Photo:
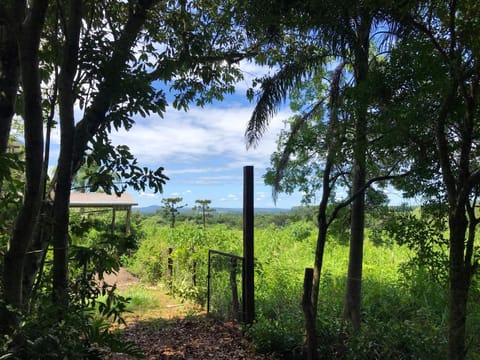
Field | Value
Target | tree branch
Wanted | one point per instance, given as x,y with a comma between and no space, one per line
360,191
95,115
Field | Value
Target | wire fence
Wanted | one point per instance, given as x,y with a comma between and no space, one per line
224,285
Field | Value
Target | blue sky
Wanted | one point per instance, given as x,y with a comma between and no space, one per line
203,151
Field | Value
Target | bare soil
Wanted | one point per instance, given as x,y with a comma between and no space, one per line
122,279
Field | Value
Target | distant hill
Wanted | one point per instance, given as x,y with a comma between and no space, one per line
154,208
147,209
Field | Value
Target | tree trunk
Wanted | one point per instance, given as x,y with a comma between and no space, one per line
9,72
29,33
94,117
459,284
353,294
318,262
64,169
308,312
334,140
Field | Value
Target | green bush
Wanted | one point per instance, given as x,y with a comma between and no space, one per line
281,335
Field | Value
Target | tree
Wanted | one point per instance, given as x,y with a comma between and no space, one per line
26,30
310,35
204,209
171,207
437,92
103,60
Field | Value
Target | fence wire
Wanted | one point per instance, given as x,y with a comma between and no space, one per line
224,288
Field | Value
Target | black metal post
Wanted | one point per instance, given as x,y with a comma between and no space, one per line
248,241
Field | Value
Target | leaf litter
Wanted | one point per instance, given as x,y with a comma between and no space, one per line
176,335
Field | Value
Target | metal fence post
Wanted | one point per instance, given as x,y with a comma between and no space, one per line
248,241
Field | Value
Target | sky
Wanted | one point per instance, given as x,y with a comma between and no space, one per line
204,151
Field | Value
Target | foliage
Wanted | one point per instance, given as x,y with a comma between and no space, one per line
424,234
11,188
85,330
112,62
81,335
171,207
405,313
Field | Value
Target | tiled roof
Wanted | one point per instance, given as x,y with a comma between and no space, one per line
101,200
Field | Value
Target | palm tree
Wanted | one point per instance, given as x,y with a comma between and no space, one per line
323,32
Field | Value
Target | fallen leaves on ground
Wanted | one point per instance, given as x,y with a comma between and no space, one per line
195,338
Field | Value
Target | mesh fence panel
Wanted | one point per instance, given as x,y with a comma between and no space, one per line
225,285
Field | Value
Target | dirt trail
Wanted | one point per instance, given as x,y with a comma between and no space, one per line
172,336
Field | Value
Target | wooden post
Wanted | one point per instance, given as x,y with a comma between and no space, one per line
112,226
128,221
248,253
233,284
194,273
310,341
170,269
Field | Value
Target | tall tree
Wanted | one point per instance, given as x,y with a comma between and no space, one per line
204,209
104,60
312,33
171,207
437,89
9,73
24,24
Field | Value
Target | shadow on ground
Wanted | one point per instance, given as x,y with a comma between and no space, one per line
191,338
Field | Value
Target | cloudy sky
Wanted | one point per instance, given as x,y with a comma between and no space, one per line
203,151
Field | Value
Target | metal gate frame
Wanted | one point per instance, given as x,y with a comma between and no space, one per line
233,256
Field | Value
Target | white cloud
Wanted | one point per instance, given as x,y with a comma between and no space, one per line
230,197
188,138
148,195
250,72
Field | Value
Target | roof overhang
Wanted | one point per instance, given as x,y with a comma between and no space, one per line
101,200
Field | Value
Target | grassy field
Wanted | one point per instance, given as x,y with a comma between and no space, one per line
404,309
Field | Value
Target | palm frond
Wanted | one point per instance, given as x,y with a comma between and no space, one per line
274,90
288,149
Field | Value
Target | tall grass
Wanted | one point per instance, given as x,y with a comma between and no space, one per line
404,313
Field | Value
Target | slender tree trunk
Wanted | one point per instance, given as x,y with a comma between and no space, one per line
334,141
352,306
64,169
9,73
459,284
310,318
353,294
319,251
95,115
461,248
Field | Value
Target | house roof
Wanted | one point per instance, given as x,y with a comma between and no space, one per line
101,200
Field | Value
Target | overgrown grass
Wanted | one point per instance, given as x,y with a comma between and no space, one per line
404,312
153,303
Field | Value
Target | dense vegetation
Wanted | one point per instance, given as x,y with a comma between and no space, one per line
405,297
383,94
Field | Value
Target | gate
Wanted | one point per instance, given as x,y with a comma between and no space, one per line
224,285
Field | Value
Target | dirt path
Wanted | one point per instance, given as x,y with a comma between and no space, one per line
166,333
